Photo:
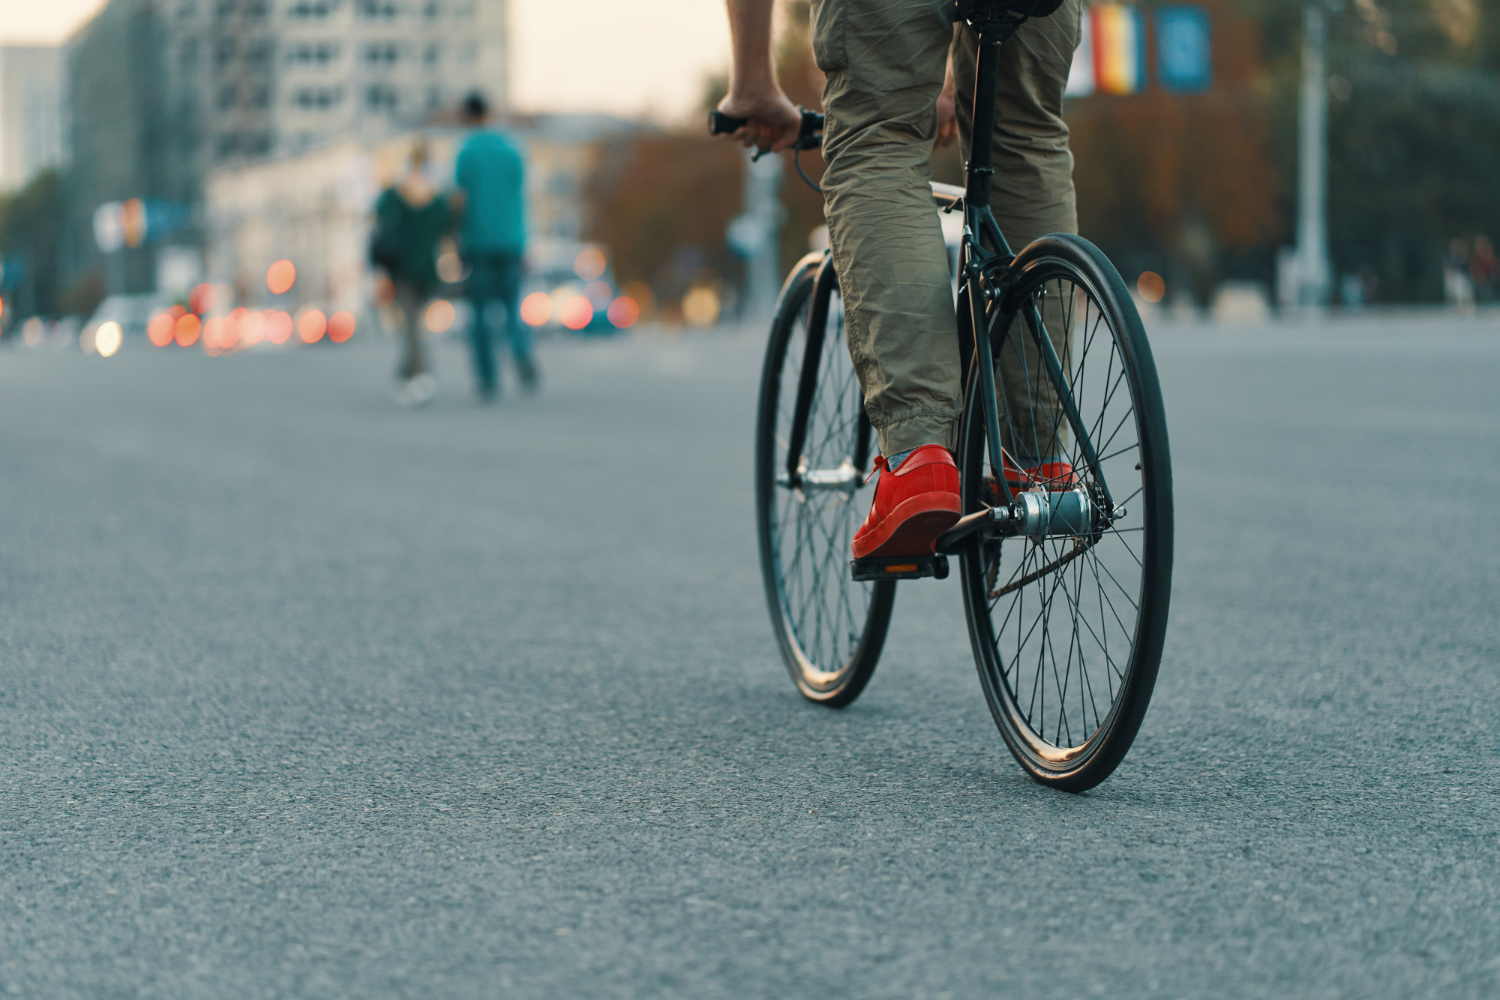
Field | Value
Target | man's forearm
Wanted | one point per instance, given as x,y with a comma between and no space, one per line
771,121
750,28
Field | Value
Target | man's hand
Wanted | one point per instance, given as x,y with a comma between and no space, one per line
773,121
753,93
947,114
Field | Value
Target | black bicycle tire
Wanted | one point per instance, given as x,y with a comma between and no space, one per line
1102,752
857,671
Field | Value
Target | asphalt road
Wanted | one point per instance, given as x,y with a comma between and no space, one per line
306,695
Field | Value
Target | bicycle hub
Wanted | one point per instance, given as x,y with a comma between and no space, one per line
1039,515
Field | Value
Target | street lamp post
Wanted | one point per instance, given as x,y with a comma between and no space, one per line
1314,279
755,236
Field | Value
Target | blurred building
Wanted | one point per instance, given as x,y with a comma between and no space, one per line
33,112
563,154
314,206
165,91
120,145
281,76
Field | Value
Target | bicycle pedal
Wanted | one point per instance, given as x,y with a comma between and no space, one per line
899,568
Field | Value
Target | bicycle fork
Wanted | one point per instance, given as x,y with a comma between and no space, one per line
851,470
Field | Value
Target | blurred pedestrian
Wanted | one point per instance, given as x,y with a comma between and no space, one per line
491,175
1458,287
1484,270
411,218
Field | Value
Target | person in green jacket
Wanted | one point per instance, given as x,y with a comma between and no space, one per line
411,220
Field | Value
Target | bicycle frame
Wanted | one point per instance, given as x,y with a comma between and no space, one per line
817,327
978,262
985,276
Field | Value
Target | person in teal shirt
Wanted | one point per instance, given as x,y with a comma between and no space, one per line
490,174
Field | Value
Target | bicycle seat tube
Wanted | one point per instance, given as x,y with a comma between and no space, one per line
993,28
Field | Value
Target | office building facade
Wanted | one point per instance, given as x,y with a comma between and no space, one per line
33,112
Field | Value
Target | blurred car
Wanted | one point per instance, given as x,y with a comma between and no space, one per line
570,285
132,312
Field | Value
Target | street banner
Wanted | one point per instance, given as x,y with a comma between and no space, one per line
1119,48
1184,49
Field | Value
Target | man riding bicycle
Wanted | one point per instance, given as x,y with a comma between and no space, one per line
899,75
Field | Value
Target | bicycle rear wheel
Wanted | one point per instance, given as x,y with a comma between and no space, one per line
830,628
1067,629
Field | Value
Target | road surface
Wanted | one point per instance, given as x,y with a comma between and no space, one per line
306,695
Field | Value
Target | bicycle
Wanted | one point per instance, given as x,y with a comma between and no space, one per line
1068,641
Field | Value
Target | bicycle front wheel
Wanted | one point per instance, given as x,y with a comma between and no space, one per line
830,628
1067,626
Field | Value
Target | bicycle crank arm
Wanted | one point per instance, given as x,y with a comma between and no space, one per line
1034,515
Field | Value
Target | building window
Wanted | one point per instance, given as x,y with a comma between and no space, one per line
321,54
225,8
260,97
433,53
377,10
382,53
258,143
255,9
381,98
258,54
307,9
432,10
224,51
227,95
227,145
318,98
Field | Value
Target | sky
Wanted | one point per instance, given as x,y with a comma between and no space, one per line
628,57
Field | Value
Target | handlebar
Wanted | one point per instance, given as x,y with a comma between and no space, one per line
809,136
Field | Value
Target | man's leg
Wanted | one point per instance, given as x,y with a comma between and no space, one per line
482,300
413,356
885,61
517,332
1032,195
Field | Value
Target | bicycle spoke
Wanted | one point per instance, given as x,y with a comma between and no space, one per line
1061,621
824,609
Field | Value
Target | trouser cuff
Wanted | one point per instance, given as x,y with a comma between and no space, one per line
917,430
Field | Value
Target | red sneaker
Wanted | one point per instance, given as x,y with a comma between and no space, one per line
1055,476
914,503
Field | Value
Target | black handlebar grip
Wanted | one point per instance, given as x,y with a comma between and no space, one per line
721,124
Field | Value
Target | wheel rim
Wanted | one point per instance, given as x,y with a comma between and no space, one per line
824,612
1058,619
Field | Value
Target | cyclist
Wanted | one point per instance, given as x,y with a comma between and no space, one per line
899,73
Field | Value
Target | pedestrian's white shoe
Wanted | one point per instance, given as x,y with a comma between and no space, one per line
424,387
417,390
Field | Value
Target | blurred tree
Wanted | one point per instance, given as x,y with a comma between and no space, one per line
83,295
1414,122
662,206
31,221
1198,186
803,83
1184,184
1414,129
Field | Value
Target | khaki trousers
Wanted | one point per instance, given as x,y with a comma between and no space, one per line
885,61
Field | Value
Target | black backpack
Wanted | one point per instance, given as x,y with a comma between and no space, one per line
385,239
